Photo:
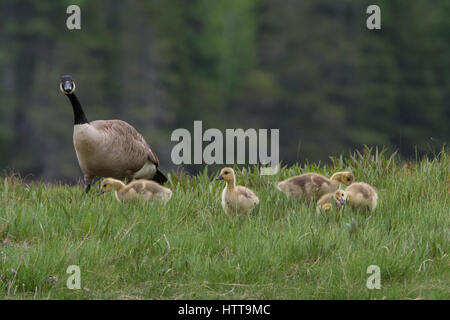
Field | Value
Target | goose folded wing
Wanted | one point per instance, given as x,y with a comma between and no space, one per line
152,156
127,138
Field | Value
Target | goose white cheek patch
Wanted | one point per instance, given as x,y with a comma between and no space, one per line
237,151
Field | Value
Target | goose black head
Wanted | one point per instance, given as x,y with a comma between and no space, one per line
67,85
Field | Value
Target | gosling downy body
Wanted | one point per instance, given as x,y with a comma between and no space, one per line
362,196
312,186
325,202
236,199
139,189
109,148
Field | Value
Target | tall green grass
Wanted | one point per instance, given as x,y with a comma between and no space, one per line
189,249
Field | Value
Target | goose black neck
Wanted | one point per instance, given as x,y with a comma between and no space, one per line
78,113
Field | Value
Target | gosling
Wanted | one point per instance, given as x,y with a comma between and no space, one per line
362,196
138,189
312,186
236,199
324,204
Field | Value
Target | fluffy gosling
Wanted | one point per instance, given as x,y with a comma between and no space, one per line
312,186
324,204
236,199
138,189
362,196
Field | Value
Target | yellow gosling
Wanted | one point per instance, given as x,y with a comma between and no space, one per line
236,199
362,196
339,196
138,189
312,186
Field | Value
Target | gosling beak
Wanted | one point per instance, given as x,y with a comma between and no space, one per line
342,201
219,177
100,192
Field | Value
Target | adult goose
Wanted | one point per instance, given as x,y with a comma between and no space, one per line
109,148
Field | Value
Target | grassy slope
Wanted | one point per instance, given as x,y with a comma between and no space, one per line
190,249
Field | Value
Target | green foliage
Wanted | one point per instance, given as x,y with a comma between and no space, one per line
189,249
309,68
404,100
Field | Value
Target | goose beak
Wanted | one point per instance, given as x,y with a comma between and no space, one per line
219,177
67,87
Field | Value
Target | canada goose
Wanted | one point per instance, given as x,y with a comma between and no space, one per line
237,199
144,189
311,186
339,197
362,196
109,148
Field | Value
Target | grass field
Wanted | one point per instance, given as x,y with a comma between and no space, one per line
189,249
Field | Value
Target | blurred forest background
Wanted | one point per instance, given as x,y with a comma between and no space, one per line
309,68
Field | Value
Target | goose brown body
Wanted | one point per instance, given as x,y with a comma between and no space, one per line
113,148
311,186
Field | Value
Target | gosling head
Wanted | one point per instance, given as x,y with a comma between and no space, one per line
110,184
345,177
340,196
67,85
226,174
